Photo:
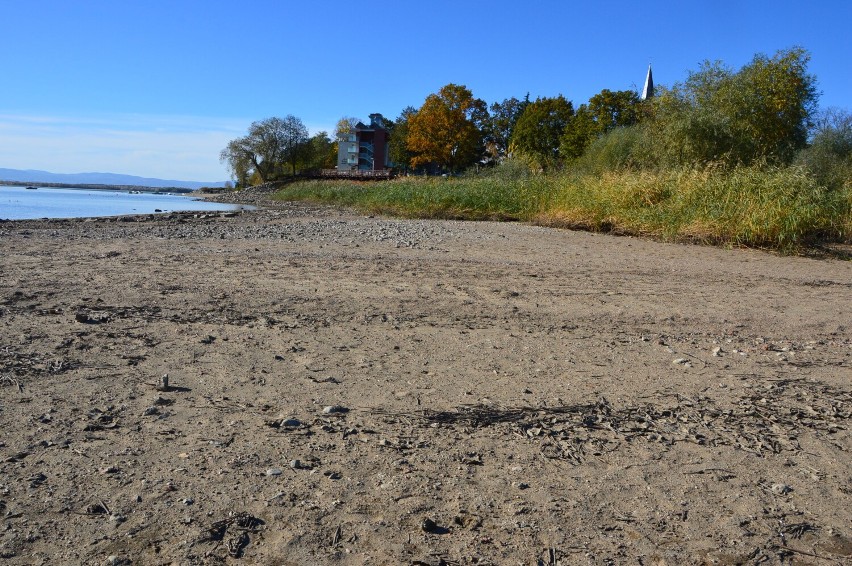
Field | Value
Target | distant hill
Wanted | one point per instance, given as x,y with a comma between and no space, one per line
35,177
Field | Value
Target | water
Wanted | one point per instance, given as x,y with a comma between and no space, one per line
19,203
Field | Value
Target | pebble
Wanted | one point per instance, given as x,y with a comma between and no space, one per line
781,488
188,501
291,423
334,409
273,472
296,464
429,525
150,411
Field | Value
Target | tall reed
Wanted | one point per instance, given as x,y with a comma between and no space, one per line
782,208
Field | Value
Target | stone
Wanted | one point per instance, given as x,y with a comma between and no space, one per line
429,525
334,409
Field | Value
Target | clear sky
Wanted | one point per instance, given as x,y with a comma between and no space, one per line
157,88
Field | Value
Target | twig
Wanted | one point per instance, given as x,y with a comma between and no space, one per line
705,470
806,553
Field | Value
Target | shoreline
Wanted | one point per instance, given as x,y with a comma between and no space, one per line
119,204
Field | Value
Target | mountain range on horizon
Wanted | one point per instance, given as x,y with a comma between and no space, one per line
35,176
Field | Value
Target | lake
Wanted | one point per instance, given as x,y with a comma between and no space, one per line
20,203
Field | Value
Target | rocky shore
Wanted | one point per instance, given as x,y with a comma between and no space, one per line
343,389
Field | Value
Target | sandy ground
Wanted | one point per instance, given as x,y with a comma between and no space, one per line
345,389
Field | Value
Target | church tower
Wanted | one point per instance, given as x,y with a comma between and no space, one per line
648,91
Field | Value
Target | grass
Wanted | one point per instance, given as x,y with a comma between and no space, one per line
781,208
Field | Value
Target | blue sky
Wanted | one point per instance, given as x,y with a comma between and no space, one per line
158,88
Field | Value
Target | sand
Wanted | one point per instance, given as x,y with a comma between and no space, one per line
345,389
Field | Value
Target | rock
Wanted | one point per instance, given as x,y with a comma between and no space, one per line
291,423
781,488
334,409
296,464
273,472
151,411
188,501
163,384
429,525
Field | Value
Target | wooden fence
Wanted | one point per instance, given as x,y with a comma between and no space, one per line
356,174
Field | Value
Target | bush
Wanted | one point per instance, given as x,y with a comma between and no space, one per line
616,150
829,155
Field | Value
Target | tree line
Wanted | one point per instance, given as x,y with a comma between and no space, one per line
765,112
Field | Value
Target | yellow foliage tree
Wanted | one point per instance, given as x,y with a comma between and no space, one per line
447,130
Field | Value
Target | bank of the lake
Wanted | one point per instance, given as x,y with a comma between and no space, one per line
22,203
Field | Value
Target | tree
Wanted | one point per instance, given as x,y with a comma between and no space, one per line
613,109
760,113
345,126
581,131
501,123
240,159
771,102
446,130
398,150
829,155
540,127
294,138
320,152
270,145
605,111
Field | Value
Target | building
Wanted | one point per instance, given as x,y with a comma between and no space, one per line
648,91
365,148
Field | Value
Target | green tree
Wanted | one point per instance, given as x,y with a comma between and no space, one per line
829,154
501,123
760,113
605,111
320,153
539,128
771,102
398,150
265,151
446,130
614,109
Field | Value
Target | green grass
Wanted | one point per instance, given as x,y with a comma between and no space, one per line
428,197
779,208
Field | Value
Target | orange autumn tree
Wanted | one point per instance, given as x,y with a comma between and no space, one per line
446,131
